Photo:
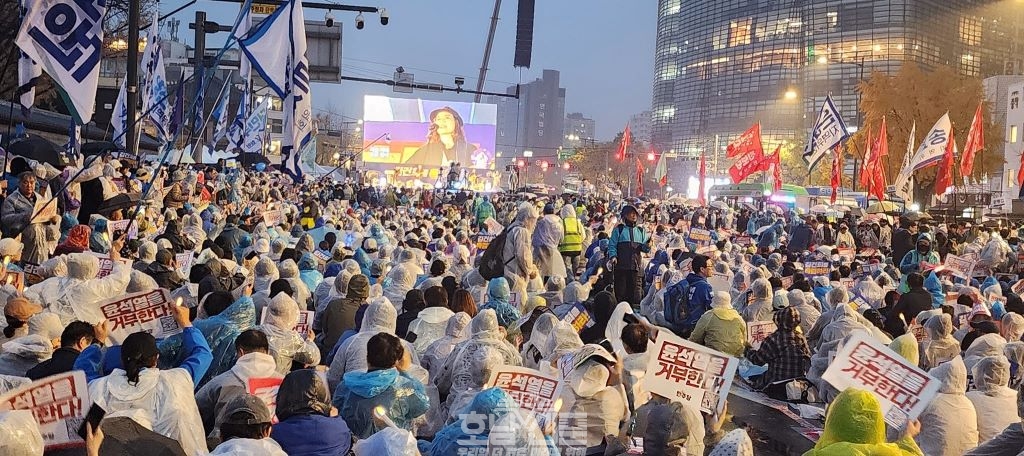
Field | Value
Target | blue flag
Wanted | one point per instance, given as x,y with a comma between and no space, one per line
200,106
177,115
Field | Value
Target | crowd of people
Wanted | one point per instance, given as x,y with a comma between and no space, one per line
417,297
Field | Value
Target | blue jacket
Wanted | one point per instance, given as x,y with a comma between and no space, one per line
197,357
313,435
402,396
700,294
636,238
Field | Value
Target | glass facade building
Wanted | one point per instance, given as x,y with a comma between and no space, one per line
722,65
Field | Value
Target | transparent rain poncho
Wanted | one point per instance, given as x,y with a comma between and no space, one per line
286,345
220,332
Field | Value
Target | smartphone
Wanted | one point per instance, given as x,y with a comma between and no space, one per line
93,418
630,319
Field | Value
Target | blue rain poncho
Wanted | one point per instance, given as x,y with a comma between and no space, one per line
402,396
498,294
220,332
491,410
308,271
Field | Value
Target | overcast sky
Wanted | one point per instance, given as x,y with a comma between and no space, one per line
604,50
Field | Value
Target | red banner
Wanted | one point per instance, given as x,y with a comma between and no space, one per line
944,179
837,172
745,165
748,142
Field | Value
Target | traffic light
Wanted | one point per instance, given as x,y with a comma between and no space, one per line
544,166
650,156
521,163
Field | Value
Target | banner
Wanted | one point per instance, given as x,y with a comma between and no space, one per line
273,218
746,164
749,143
906,171
579,317
184,261
28,74
266,388
934,145
66,38
59,403
533,391
959,266
119,118
157,100
302,327
115,228
828,131
686,372
758,331
255,125
700,236
902,389
816,264
149,311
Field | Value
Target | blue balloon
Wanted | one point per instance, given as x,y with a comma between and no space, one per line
260,167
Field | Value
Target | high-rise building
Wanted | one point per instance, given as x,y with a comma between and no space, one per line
640,127
577,130
535,121
721,66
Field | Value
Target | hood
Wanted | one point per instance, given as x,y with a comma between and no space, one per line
855,417
986,345
906,346
563,338
380,316
573,293
302,392
358,287
255,365
117,384
435,315
1013,326
283,312
370,384
934,287
457,325
786,319
498,290
666,429
308,262
939,326
991,374
82,266
726,313
952,376
288,269
588,379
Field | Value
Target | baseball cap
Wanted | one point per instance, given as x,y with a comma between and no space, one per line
246,409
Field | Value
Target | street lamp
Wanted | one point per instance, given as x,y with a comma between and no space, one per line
790,94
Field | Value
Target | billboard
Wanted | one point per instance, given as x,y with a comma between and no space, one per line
426,136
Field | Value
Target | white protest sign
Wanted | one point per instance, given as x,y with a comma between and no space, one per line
302,326
493,226
532,390
121,225
758,331
959,266
902,389
273,217
266,388
106,264
45,210
185,261
59,404
700,236
148,311
579,317
693,374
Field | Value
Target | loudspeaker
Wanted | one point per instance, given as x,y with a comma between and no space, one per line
524,34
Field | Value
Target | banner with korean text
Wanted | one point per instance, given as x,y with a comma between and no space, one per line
533,391
690,373
59,404
149,311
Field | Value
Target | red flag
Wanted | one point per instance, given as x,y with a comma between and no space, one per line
944,179
1020,173
749,141
865,173
639,178
620,155
837,172
877,170
975,142
701,174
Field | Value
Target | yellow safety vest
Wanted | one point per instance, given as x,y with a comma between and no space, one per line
573,240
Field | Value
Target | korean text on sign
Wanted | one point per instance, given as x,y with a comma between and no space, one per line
690,373
902,389
58,403
758,331
266,389
700,236
304,324
149,311
960,266
530,389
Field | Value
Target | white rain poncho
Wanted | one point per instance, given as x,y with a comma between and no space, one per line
139,282
1013,326
982,347
398,282
21,354
760,306
940,346
994,402
546,237
389,441
603,406
843,323
286,345
808,314
563,340
652,306
1014,351
249,447
870,291
266,273
76,296
429,326
949,425
167,394
460,263
820,361
289,270
11,382
613,331
21,434
532,349
380,317
517,253
456,331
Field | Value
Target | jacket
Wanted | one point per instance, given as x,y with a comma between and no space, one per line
176,197
164,276
306,427
800,239
626,245
340,315
574,232
902,243
784,351
909,305
401,395
230,238
700,295
721,329
212,397
63,360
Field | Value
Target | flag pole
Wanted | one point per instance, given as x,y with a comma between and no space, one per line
206,120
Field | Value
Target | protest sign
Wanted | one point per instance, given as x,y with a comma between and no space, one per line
706,250
787,282
184,261
13,278
918,331
579,317
870,268
266,388
273,217
902,389
33,273
720,282
1018,287
120,226
848,253
59,404
570,361
859,301
743,240
690,373
321,256
758,331
515,300
700,236
302,326
959,266
148,311
45,210
493,226
816,264
533,391
847,283
1020,262
483,240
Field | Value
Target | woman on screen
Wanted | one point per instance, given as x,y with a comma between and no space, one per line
446,141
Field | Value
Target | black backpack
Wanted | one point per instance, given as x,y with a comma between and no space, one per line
491,264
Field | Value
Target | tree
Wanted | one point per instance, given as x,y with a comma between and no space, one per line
599,165
913,94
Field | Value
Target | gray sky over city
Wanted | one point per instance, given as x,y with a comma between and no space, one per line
604,50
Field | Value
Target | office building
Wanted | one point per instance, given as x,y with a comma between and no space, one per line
534,122
578,130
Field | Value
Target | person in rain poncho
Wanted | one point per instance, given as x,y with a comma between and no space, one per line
842,322
1012,327
760,306
907,347
433,359
1014,351
461,262
984,346
809,315
22,431
19,217
17,311
306,427
469,434
350,356
308,272
994,402
431,322
940,346
287,346
498,295
289,270
77,241
596,392
854,426
1008,442
635,339
99,240
24,353
246,428
386,384
226,319
266,273
401,279
721,328
532,349
785,351
166,394
254,361
949,424
517,255
546,237
76,296
340,314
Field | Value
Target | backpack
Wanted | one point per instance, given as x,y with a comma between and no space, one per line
677,299
491,264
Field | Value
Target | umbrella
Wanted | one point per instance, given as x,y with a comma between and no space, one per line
693,202
39,149
841,208
883,206
720,205
122,435
915,216
98,148
762,230
119,201
819,209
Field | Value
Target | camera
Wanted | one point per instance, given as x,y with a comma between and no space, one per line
384,17
329,19
360,21
459,80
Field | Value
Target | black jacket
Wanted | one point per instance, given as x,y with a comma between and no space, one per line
164,276
917,300
63,360
902,242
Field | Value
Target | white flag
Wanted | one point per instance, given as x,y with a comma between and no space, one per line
236,133
286,71
154,84
65,37
255,125
934,145
244,67
119,118
906,171
828,131
220,114
28,71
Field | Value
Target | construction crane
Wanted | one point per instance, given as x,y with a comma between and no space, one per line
487,50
